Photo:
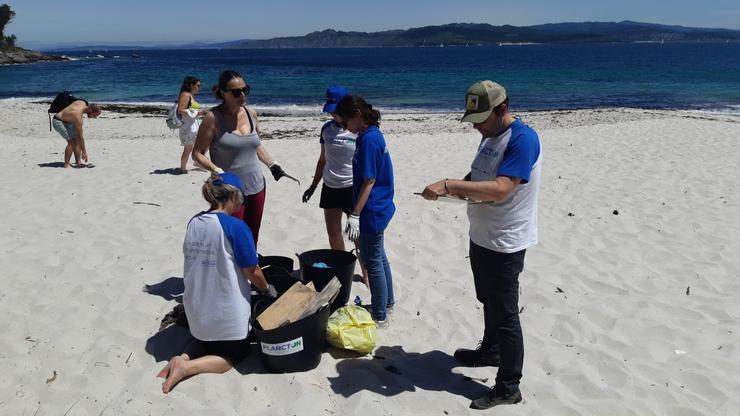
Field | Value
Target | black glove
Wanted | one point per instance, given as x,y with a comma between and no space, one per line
277,171
308,193
269,291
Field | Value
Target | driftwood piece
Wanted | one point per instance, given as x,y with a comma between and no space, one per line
287,308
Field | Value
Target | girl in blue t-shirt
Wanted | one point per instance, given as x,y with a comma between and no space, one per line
220,261
373,208
334,167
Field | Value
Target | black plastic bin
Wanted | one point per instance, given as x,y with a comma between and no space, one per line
285,263
278,277
341,264
294,347
278,271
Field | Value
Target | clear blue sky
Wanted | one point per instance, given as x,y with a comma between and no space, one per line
138,21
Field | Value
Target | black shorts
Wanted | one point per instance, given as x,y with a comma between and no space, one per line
234,351
336,198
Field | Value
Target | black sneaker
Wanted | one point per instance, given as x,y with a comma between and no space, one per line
479,357
492,399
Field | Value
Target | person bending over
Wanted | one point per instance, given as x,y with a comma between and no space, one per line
68,123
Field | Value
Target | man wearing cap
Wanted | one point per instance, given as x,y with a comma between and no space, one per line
502,188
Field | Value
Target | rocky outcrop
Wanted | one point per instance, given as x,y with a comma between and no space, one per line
25,56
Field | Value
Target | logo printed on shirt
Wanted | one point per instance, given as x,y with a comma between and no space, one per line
489,153
337,140
487,159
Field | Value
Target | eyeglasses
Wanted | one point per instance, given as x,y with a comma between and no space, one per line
236,92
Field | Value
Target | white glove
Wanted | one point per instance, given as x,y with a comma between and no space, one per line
353,227
218,171
269,291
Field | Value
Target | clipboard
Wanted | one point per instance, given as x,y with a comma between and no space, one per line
454,198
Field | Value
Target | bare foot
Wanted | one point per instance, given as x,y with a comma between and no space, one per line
176,373
165,371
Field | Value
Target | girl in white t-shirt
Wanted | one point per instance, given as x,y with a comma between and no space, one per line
220,261
334,167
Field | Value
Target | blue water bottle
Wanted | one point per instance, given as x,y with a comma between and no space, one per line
358,301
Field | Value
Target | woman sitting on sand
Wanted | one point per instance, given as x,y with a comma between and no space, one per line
220,261
188,109
372,189
231,132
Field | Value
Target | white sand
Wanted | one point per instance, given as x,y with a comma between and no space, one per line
624,337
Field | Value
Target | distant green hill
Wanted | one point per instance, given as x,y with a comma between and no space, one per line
461,34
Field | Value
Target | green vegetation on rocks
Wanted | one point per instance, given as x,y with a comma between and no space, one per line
9,53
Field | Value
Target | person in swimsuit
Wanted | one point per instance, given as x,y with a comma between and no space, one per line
68,123
220,263
230,131
188,109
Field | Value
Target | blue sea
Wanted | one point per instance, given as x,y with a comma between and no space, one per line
701,76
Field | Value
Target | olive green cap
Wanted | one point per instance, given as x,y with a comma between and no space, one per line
480,100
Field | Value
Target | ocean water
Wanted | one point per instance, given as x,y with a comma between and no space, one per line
537,77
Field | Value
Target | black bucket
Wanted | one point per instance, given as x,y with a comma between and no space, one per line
293,347
341,264
285,263
278,271
278,277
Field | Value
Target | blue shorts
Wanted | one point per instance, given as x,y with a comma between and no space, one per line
66,130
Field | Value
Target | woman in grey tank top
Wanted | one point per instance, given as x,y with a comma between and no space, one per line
230,131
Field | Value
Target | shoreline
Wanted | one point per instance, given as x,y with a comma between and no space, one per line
156,109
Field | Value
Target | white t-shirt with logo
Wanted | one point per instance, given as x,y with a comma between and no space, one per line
217,294
510,225
339,147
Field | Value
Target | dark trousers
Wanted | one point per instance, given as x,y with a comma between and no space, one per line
496,278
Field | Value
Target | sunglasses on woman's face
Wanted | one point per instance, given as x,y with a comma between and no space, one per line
236,92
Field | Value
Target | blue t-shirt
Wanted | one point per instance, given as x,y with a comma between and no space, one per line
372,161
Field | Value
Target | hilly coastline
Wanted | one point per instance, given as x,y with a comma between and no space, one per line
462,34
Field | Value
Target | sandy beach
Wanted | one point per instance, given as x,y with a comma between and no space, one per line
630,303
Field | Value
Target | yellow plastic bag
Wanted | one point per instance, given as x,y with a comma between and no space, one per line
352,328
